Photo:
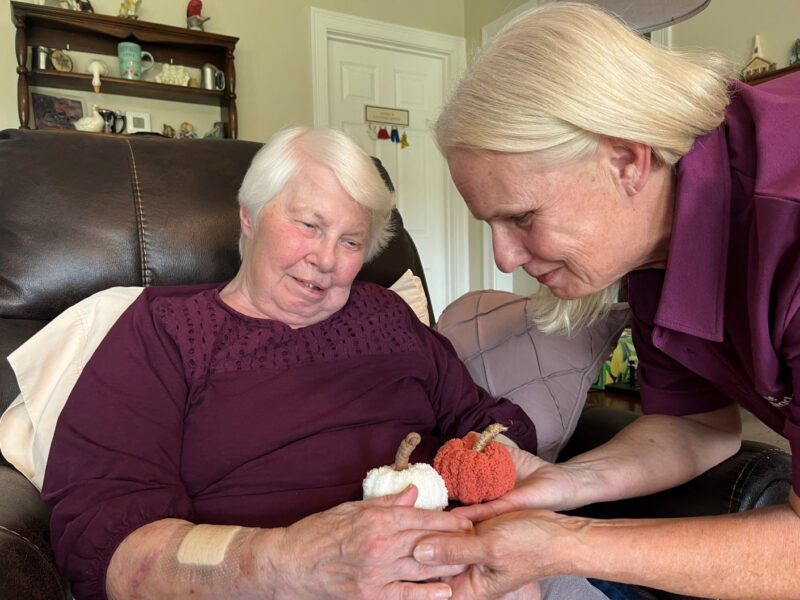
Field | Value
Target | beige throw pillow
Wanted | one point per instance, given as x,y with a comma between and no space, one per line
409,288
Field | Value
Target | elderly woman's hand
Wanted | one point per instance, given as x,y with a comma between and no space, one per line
505,553
540,484
363,550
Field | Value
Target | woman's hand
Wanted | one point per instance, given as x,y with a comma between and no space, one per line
540,484
362,550
505,554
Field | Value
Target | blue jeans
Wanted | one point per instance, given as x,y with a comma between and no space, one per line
620,591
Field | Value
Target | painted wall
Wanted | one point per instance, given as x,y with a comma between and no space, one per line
273,57
478,13
728,26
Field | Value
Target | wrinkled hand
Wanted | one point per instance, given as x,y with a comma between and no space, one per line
505,554
363,550
540,484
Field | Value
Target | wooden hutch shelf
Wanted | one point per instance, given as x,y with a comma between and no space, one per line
99,34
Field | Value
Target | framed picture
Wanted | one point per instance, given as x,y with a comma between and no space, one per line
137,122
56,112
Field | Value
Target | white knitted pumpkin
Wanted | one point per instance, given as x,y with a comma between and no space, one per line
395,478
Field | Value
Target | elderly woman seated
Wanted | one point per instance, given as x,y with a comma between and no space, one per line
216,441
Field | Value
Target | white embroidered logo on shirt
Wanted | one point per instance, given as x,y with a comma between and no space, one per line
779,403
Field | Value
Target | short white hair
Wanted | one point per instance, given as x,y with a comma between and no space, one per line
282,158
560,77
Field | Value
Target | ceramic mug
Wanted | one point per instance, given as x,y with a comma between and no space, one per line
131,65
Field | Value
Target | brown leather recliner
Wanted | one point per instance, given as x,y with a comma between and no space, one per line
81,212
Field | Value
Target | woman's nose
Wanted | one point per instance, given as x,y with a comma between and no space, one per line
509,252
324,258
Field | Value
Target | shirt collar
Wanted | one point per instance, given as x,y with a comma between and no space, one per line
692,299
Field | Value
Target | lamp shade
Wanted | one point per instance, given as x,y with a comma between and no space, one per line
649,15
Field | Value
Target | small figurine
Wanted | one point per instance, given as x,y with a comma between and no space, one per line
97,68
187,131
194,18
93,123
218,131
168,131
129,9
794,58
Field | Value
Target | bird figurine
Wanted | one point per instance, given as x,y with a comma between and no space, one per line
94,122
97,68
194,18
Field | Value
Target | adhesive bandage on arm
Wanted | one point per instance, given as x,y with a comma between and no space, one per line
206,545
173,558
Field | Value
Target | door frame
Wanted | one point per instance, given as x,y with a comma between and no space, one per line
451,50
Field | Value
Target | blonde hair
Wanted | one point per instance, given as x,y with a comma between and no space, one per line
283,157
560,77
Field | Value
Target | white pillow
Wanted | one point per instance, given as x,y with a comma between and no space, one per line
409,288
47,367
548,375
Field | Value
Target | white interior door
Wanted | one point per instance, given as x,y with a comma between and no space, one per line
359,76
364,71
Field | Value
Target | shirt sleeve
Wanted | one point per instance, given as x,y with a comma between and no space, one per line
666,386
460,404
115,458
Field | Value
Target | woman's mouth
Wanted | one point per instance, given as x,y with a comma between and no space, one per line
309,285
545,278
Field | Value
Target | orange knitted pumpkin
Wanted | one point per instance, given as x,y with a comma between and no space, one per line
475,468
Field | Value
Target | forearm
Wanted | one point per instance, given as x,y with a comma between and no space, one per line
751,555
654,453
172,558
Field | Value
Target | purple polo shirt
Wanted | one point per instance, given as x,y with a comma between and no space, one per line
720,324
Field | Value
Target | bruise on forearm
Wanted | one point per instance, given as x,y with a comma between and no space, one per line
172,558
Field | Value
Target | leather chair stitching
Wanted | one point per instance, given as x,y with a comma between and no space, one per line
745,473
140,224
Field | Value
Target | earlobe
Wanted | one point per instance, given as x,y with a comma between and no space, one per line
247,224
631,162
630,178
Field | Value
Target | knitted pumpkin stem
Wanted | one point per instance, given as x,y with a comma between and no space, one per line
491,432
407,446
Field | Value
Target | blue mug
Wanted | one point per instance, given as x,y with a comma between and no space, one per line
130,60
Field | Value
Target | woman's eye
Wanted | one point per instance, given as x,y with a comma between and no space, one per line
522,219
305,225
353,245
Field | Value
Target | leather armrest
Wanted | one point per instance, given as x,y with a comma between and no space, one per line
28,568
758,475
